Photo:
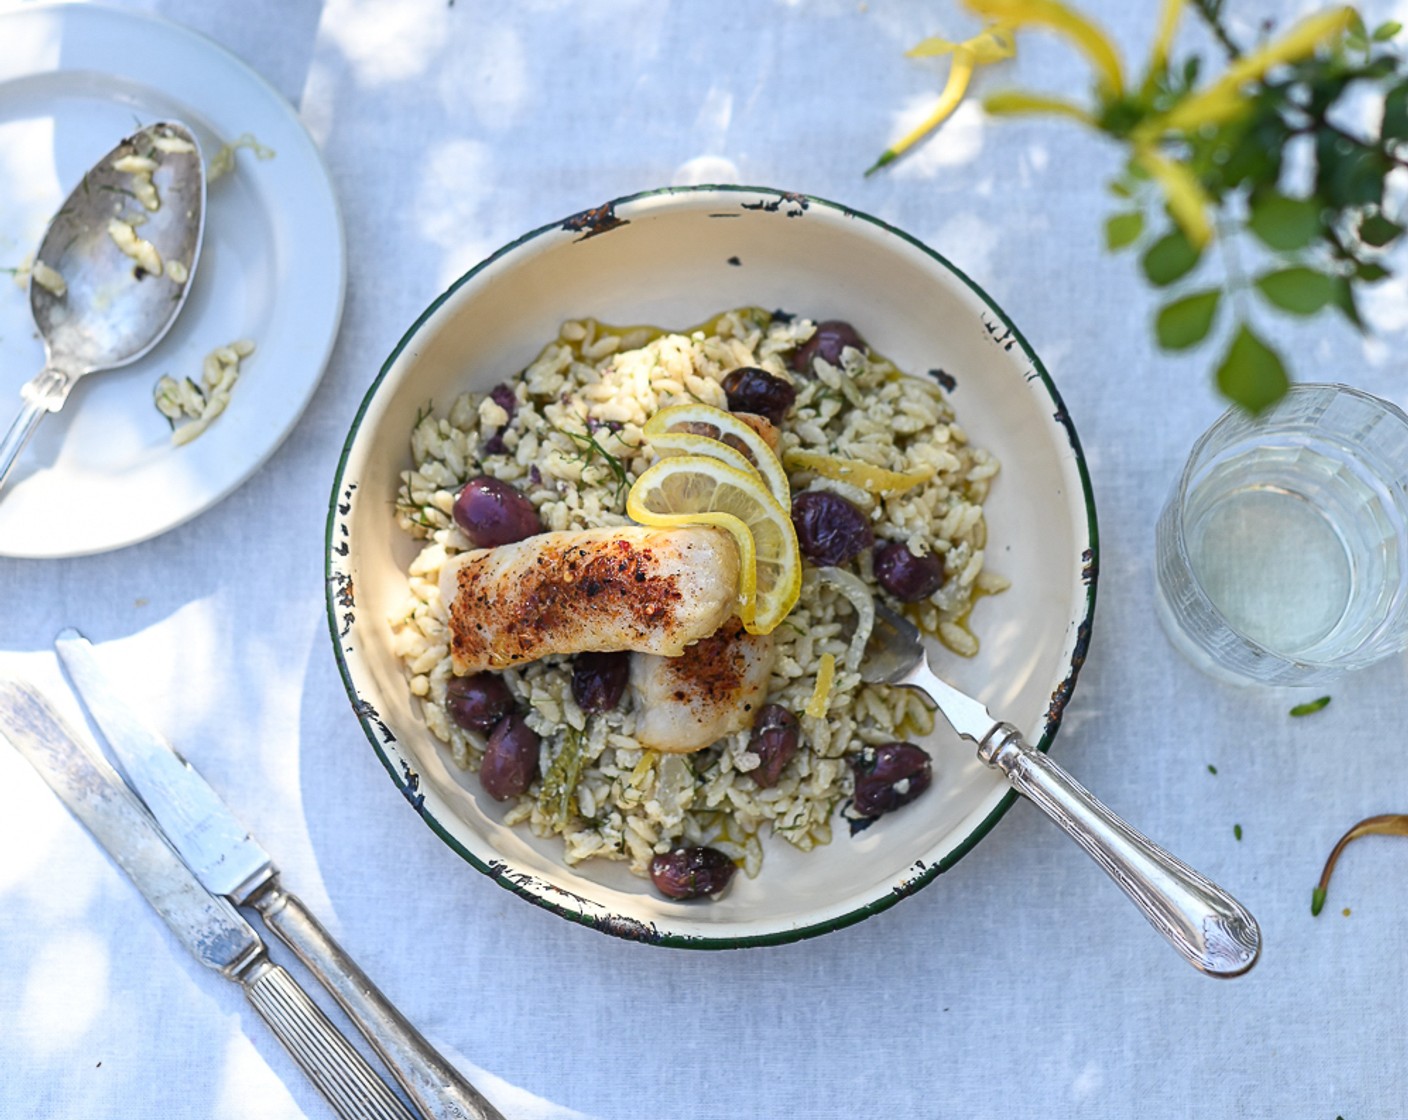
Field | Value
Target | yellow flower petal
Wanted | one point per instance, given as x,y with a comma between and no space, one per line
1055,16
1184,194
1300,41
954,89
991,44
931,47
1163,38
1015,103
1222,100
1213,106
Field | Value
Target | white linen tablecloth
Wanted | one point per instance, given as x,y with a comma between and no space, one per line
1020,983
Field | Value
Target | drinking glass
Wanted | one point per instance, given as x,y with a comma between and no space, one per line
1282,554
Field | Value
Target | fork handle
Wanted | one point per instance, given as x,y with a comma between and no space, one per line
1215,933
432,1082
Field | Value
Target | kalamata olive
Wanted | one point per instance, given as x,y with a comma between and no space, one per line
691,872
492,513
907,577
831,337
510,761
888,776
774,741
750,389
503,395
599,679
479,701
830,530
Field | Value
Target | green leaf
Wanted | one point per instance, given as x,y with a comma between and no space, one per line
1370,272
1185,322
1123,229
1284,224
1301,291
1251,373
1395,122
1170,258
1349,173
1386,31
1237,831
1317,901
1378,231
1310,706
1344,300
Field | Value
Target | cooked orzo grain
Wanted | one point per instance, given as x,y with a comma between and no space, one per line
566,432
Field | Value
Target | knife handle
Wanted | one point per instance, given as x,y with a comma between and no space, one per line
431,1081
1215,933
341,1074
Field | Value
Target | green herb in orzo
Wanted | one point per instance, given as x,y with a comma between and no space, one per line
1310,706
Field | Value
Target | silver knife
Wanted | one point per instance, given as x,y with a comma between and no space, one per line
207,925
230,862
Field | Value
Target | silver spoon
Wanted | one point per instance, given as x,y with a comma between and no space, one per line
99,305
1215,933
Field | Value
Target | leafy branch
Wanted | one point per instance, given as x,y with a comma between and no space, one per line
1214,162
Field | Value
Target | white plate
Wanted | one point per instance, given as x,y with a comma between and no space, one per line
103,473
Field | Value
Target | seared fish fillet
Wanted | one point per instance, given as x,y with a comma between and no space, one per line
716,686
654,590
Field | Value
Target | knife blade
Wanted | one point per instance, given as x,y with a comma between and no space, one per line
230,862
208,926
224,856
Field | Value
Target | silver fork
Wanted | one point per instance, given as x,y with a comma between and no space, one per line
1214,932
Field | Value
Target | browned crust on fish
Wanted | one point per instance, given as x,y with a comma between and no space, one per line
619,585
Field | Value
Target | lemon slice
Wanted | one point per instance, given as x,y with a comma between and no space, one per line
869,477
699,489
676,431
685,443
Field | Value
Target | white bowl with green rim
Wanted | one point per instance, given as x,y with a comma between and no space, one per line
670,258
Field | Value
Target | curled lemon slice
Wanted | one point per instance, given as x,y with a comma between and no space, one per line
821,694
701,490
869,477
678,429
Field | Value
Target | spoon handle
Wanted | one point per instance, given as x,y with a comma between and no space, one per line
44,394
1215,933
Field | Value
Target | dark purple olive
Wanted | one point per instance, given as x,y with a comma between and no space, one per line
774,740
831,337
492,513
691,872
830,530
479,701
907,577
750,389
599,679
888,776
510,761
503,395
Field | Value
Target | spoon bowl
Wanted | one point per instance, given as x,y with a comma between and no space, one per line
114,267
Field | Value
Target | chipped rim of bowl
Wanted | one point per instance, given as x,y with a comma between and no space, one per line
575,908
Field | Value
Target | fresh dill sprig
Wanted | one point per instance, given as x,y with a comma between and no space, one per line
591,448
